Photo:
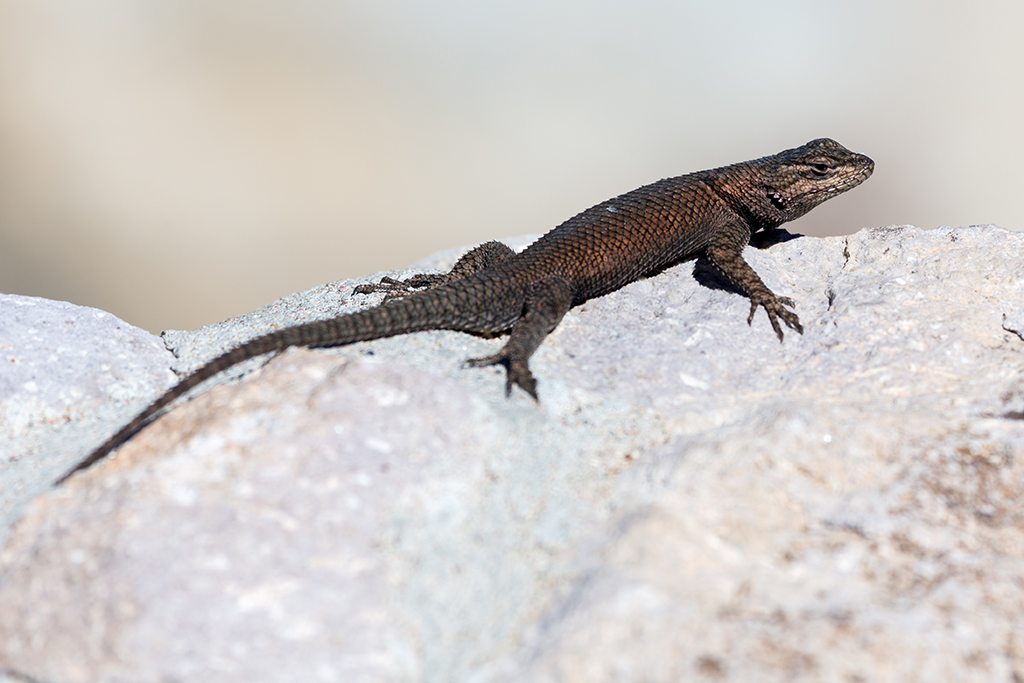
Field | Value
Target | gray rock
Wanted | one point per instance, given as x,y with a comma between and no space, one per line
690,500
66,374
71,376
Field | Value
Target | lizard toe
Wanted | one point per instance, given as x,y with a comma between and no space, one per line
517,372
486,360
775,309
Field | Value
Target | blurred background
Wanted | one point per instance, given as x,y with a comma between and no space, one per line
178,162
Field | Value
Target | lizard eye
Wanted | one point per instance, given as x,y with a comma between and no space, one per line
820,169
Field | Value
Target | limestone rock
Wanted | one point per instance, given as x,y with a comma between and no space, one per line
691,500
66,374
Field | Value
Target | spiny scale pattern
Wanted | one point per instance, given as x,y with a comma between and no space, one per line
492,290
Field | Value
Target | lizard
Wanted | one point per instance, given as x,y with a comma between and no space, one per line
493,290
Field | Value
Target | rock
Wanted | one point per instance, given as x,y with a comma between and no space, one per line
70,376
691,500
66,374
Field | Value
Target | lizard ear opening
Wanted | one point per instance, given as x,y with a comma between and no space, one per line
776,198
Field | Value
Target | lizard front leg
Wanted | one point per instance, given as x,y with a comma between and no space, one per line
726,253
546,303
484,256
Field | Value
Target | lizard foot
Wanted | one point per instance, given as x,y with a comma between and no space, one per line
479,258
775,308
394,289
516,371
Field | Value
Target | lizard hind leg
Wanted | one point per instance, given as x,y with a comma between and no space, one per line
476,259
546,303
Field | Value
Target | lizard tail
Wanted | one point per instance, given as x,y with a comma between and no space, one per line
430,310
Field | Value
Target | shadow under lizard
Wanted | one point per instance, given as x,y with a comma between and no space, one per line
492,290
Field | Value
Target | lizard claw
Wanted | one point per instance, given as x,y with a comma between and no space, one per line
775,308
516,372
396,289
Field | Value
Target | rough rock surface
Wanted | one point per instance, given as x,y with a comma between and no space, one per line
67,373
691,500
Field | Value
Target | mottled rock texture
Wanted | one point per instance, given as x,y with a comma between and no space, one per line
691,500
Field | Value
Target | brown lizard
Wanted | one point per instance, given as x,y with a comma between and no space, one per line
492,290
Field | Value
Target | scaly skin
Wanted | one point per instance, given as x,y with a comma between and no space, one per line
492,290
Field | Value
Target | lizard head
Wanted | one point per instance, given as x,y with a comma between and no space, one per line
795,181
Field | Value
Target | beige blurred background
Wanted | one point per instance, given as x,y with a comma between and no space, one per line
178,162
